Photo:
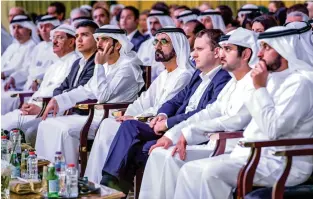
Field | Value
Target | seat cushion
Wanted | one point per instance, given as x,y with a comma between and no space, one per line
301,191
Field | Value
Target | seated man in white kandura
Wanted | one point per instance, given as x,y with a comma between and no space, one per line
117,78
63,38
238,55
31,73
173,53
281,108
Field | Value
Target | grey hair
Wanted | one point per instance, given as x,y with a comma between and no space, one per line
299,14
81,11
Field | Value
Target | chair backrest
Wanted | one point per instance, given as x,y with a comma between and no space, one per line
146,75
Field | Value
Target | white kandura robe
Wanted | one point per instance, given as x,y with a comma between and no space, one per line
164,88
146,54
53,78
283,110
110,83
16,57
41,58
225,114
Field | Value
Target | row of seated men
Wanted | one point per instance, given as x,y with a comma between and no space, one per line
259,83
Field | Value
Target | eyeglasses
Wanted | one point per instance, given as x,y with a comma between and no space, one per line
164,42
59,38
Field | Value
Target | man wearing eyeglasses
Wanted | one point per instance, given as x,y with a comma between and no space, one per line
63,39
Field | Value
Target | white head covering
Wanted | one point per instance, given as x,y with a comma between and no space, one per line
25,22
180,45
77,20
112,7
305,43
186,15
48,19
164,19
245,38
298,14
248,8
63,28
286,46
216,18
86,7
126,52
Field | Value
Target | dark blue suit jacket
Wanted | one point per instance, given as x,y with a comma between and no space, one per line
175,108
137,40
85,75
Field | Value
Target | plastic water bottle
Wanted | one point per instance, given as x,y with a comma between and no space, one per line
71,181
24,171
62,180
32,166
4,148
15,138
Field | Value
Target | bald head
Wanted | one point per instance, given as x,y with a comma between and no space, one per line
16,11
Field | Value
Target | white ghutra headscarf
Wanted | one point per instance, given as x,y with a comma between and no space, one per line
285,40
305,40
163,18
126,52
180,45
25,22
216,18
245,38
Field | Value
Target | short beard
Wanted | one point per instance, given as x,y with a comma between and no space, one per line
275,65
163,57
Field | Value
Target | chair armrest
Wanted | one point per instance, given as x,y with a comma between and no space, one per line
22,96
246,175
282,142
279,186
26,94
299,152
221,138
45,101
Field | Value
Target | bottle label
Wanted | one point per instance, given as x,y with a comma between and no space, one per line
16,172
53,186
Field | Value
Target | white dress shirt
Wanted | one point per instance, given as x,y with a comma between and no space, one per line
82,63
206,80
131,35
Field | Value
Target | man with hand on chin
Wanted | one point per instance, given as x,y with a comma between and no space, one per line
117,78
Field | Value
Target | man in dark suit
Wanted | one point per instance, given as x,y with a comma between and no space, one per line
82,68
129,21
134,138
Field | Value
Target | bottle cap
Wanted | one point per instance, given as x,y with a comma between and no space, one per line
71,165
32,153
3,137
58,152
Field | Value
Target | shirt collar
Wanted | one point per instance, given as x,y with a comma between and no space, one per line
82,62
210,75
131,35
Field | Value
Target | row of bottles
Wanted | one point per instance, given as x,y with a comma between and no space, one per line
60,181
